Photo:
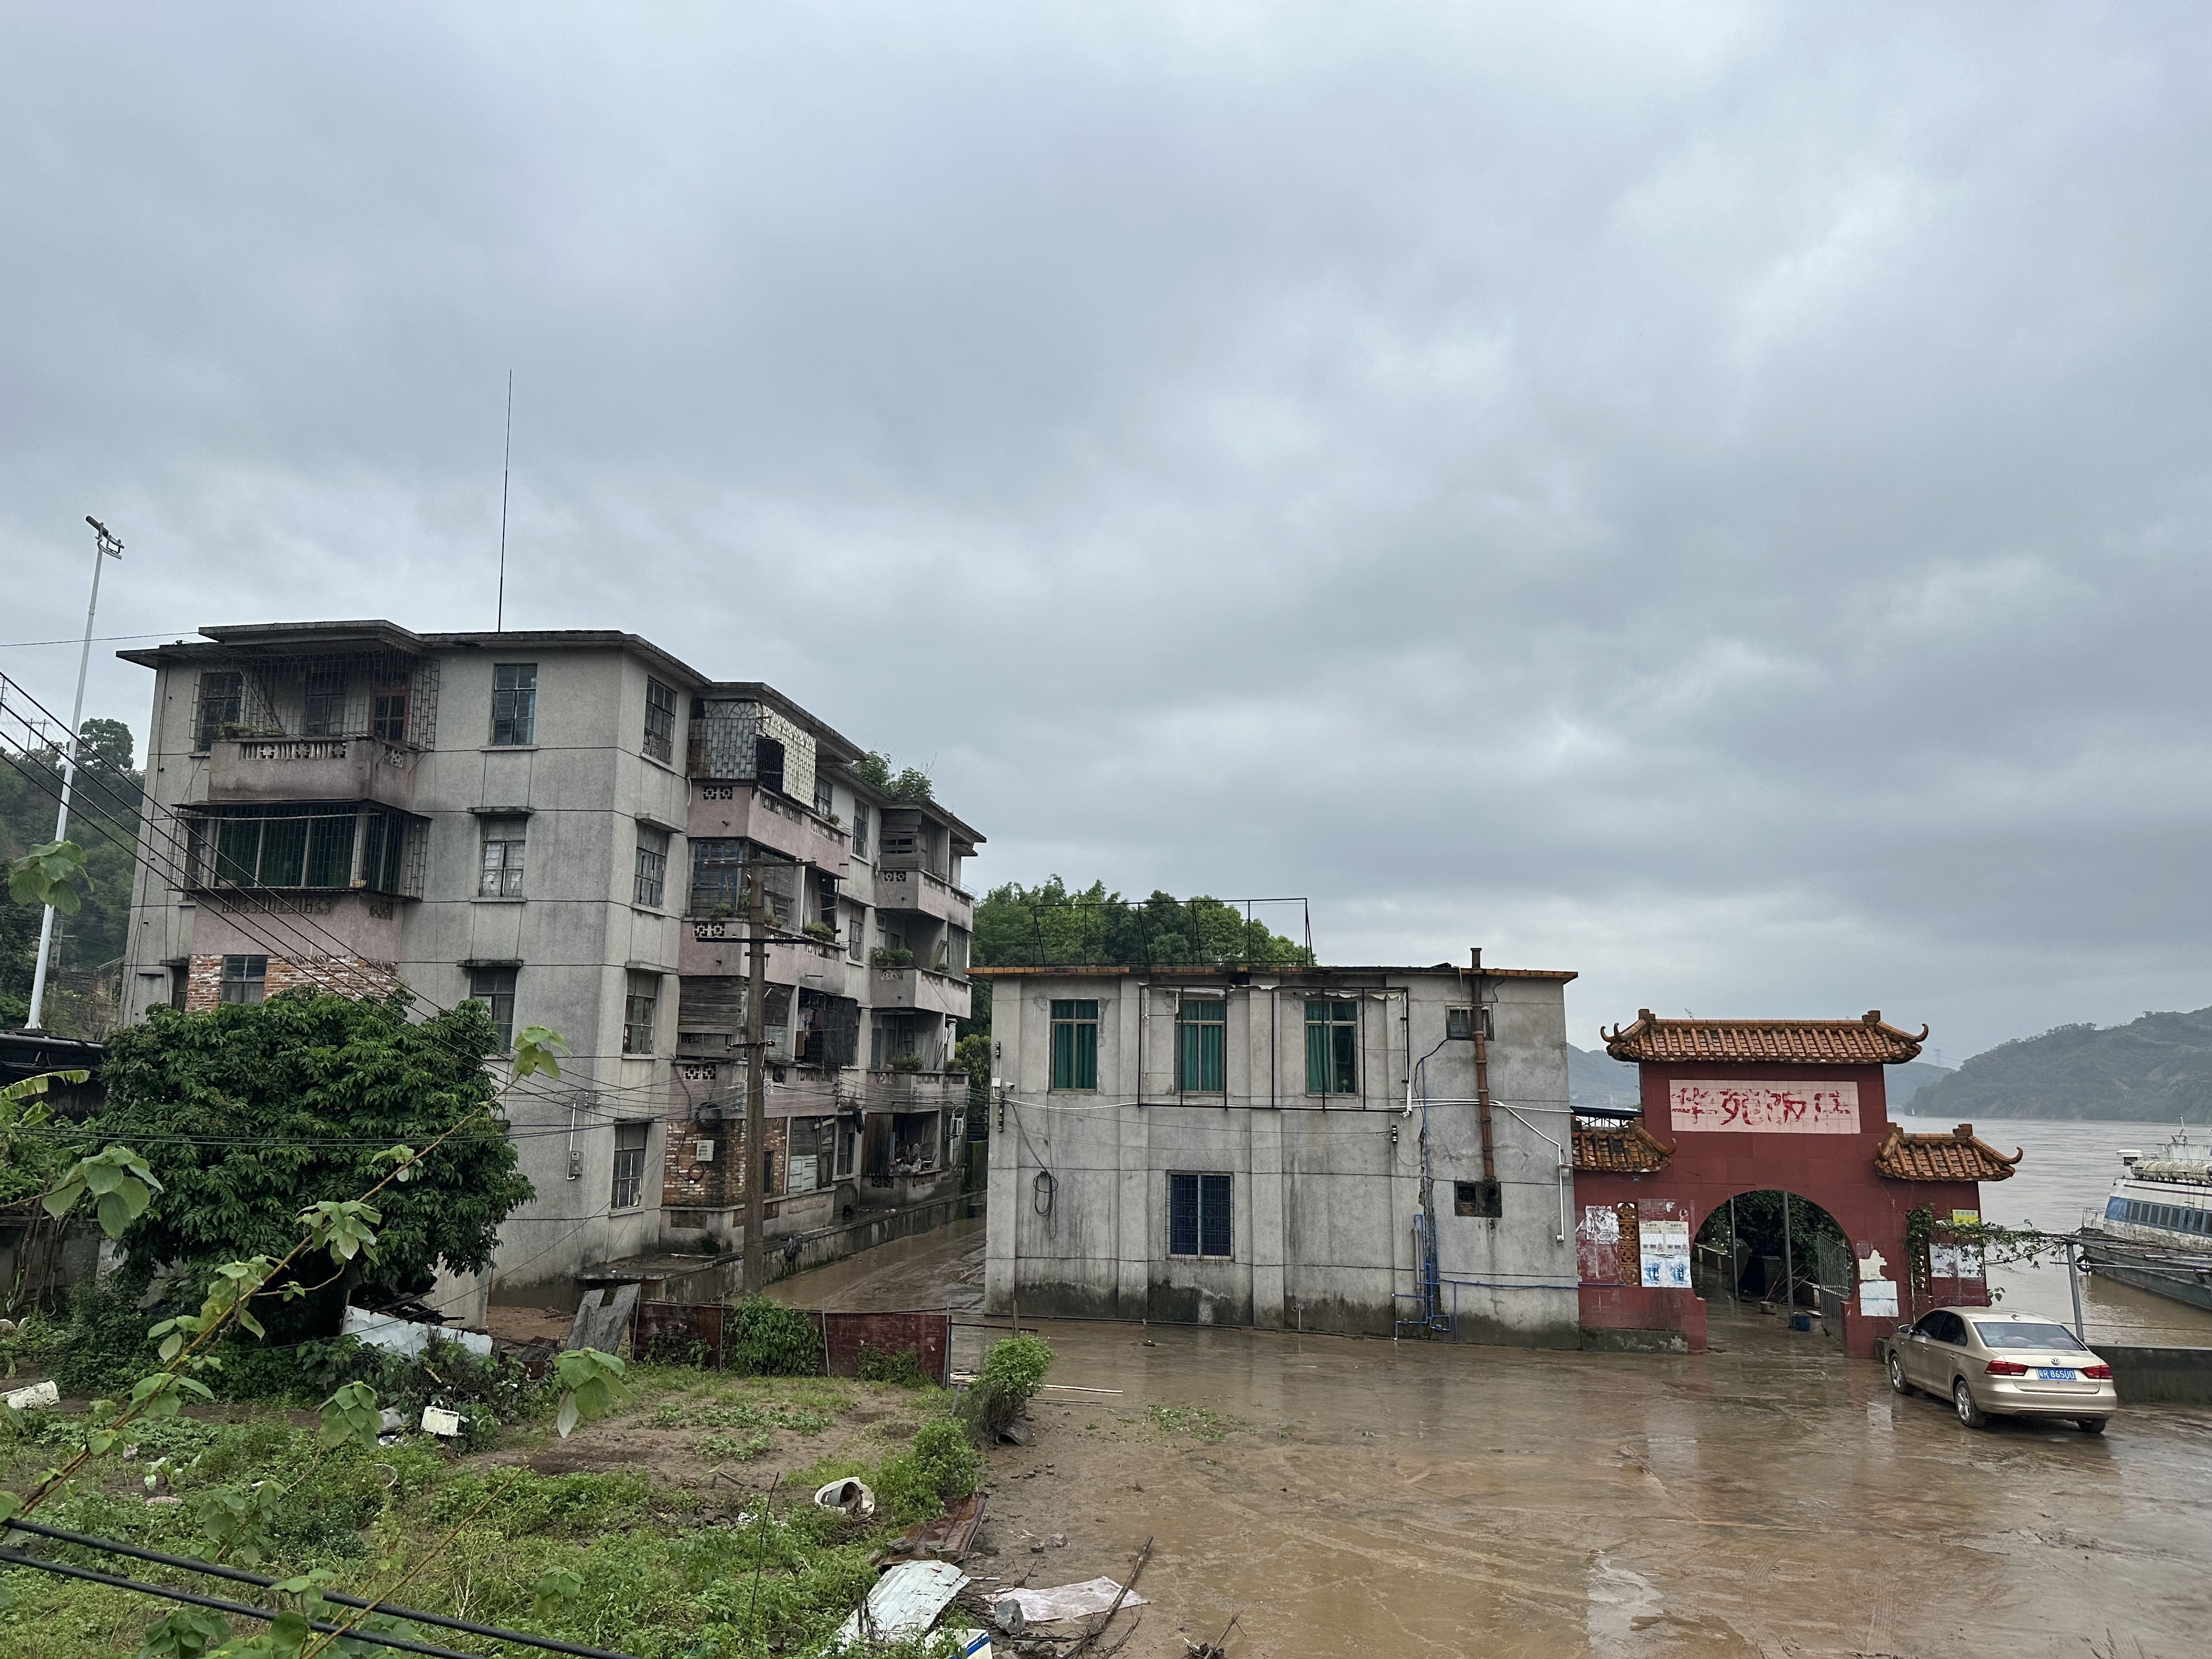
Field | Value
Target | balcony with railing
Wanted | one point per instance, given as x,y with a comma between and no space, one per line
924,893
283,769
924,990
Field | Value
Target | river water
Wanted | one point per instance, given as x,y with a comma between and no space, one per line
2070,1169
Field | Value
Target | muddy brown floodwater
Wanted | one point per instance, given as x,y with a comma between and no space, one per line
1776,1498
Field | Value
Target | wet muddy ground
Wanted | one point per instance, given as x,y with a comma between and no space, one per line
1775,1499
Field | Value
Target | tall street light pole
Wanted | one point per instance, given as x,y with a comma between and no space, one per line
104,547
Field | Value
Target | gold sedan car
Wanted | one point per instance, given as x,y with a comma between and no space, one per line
1990,1365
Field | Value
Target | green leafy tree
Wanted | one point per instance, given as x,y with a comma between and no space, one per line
1049,925
910,783
92,920
250,1119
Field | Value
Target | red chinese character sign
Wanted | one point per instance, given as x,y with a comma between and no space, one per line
1789,1109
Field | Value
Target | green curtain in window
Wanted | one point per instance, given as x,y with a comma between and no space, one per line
1075,1044
1201,1048
1332,1047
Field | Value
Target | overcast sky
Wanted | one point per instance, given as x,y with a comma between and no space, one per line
1714,497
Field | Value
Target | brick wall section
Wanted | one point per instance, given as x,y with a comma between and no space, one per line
689,1183
353,976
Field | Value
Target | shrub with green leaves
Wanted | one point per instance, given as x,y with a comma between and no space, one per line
1012,1372
877,1365
775,1340
940,1467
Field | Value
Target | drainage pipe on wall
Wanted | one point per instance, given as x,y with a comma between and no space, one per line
1566,1168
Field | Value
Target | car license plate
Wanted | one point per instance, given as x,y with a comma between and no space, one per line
2055,1374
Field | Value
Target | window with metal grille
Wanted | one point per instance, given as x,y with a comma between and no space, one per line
326,703
824,803
245,979
629,1166
1202,1045
494,988
643,996
298,846
1333,1048
660,721
504,840
860,830
387,714
1075,1044
514,705
222,703
1199,1220
651,880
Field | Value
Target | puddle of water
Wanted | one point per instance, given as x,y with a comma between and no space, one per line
1354,1496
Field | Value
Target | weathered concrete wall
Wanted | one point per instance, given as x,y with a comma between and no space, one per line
1325,1190
2172,1376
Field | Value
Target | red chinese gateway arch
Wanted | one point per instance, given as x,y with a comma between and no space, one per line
1732,1106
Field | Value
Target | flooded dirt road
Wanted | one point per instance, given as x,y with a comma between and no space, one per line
1349,1497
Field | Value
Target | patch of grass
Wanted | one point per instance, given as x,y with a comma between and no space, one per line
902,1370
654,1583
727,1449
1197,1421
739,1414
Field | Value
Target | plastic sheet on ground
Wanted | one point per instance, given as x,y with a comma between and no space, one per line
1041,1606
905,1602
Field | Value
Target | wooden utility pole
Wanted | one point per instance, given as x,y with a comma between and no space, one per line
756,1243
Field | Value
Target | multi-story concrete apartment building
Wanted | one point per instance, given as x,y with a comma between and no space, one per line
1330,1149
556,824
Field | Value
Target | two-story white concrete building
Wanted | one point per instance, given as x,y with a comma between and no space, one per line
554,823
1330,1149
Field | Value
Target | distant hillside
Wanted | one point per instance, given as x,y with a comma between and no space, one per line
1596,1079
2157,1069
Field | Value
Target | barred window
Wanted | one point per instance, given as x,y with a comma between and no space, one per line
222,703
1199,1215
660,721
326,706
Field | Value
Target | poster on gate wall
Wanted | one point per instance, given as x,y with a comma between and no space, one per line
1666,1254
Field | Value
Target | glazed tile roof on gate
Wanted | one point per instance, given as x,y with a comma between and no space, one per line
1620,1149
1957,1155
1864,1041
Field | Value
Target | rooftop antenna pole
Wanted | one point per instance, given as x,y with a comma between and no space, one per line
104,547
506,455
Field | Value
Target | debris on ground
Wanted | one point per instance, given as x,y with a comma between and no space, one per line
905,1602
854,1498
1041,1607
948,1538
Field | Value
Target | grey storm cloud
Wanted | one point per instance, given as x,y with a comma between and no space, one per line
1711,496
